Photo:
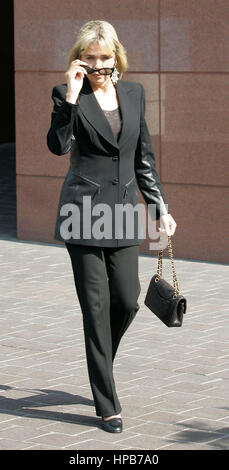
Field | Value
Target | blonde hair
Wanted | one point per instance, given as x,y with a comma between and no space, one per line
103,33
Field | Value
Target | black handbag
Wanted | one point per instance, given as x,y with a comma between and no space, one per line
164,300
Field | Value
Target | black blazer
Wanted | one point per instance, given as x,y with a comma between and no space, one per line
106,169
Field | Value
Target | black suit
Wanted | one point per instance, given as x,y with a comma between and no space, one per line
105,270
107,169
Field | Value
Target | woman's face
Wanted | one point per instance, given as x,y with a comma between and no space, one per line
97,57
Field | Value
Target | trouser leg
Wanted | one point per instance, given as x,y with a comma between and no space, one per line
91,281
124,284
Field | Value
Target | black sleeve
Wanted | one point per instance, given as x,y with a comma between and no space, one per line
145,167
60,134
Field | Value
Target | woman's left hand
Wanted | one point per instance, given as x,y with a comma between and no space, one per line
168,224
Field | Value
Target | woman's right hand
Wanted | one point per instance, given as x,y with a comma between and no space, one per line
74,76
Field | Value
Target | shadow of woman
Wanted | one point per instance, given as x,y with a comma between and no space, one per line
38,398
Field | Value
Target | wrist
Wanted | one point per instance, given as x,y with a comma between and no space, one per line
71,98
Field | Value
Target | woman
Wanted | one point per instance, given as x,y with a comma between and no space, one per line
101,120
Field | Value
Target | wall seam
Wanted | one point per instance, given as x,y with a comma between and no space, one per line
159,86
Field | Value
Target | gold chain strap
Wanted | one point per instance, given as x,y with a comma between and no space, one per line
159,267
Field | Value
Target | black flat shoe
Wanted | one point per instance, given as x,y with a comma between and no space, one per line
112,425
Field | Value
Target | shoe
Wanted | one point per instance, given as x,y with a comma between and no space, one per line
112,425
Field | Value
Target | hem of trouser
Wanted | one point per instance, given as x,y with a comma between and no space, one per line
110,414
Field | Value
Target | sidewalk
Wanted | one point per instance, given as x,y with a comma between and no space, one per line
173,384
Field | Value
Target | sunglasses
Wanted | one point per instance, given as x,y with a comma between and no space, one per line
102,71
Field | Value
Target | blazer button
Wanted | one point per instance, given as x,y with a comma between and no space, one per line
115,181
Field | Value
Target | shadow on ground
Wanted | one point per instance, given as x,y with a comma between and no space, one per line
26,407
197,432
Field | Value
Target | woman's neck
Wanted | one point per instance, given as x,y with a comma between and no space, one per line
104,88
106,96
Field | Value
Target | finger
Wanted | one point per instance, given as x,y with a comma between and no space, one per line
77,67
78,72
78,61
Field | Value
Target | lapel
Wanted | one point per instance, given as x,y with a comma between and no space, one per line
95,115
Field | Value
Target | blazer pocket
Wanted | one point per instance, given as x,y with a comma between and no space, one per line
86,187
129,187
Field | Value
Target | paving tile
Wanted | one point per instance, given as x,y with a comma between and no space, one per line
30,446
153,428
72,429
10,444
58,439
221,444
205,425
25,433
206,412
7,418
162,417
186,446
195,436
142,441
93,444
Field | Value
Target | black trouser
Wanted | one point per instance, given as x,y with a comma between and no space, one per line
108,287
